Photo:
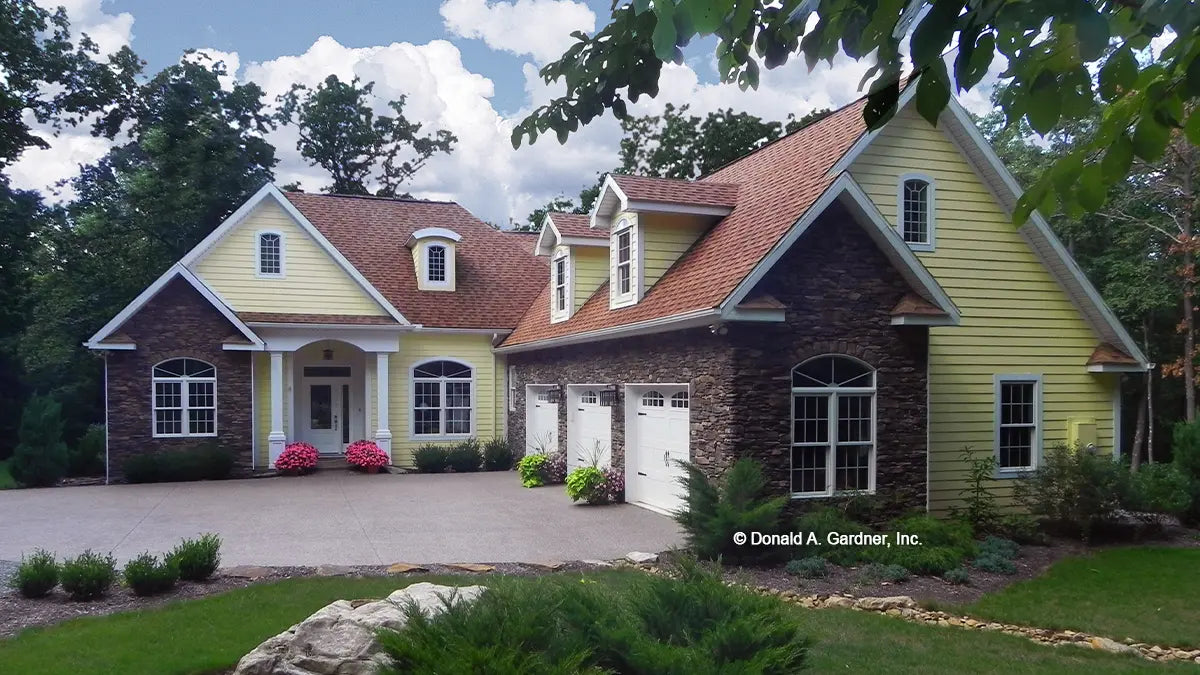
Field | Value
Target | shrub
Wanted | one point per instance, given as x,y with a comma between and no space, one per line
431,458
554,470
1021,528
36,576
927,560
585,483
87,457
952,534
497,455
812,567
88,576
1074,490
366,454
959,576
530,469
876,572
820,523
196,559
203,462
995,563
641,625
465,457
999,547
1185,448
1159,488
979,508
301,457
713,512
147,575
40,457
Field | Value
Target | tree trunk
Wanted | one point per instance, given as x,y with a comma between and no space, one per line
1150,415
1139,434
1189,286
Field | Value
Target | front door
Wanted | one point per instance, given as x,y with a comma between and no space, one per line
327,424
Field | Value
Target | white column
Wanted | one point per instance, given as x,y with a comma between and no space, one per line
276,439
383,435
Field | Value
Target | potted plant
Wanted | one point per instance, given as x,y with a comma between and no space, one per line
296,459
366,456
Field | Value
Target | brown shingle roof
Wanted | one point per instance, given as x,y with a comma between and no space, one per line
493,268
676,191
282,317
914,305
575,225
776,184
1108,355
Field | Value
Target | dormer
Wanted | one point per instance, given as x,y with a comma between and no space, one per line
433,257
650,223
578,261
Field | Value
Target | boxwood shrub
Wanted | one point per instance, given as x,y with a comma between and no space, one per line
431,458
203,462
88,576
196,559
36,576
147,575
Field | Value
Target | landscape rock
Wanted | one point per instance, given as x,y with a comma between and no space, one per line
334,571
251,572
340,638
839,601
472,567
884,604
549,566
1112,646
405,568
641,558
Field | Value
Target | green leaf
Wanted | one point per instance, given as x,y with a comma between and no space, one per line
981,59
933,91
664,31
707,15
1192,128
1119,73
881,105
934,33
1092,189
1092,31
1065,172
1150,138
1193,76
1117,160
1044,104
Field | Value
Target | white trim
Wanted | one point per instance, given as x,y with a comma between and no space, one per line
632,227
1038,415
546,248
412,401
433,233
846,190
1116,368
916,320
448,271
269,190
462,331
399,328
622,201
756,315
258,273
691,319
599,242
557,315
930,243
107,470
678,207
178,269
112,346
254,419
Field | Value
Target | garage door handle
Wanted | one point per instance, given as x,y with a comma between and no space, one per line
641,474
642,414
579,409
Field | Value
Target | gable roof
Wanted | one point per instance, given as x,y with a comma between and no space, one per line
492,287
574,225
572,229
676,191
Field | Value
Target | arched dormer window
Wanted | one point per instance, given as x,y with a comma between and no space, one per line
185,398
833,426
915,209
443,399
433,257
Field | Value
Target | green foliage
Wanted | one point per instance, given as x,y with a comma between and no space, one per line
821,522
876,572
497,455
695,624
147,575
207,461
926,560
979,502
87,457
431,458
952,534
585,483
196,559
958,576
465,457
1185,448
999,547
1160,488
36,576
1022,528
812,567
88,576
40,458
340,132
554,470
530,468
713,511
1074,490
995,563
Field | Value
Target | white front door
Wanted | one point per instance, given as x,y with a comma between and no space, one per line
541,420
326,423
660,435
589,429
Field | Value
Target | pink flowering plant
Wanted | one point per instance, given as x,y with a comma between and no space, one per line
297,457
365,454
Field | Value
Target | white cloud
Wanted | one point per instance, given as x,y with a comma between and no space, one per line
109,31
538,28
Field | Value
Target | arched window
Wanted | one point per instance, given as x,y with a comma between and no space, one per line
270,254
653,399
443,398
589,398
916,211
435,263
833,426
185,398
679,400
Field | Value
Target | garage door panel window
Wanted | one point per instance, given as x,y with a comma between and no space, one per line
442,399
653,399
833,426
680,400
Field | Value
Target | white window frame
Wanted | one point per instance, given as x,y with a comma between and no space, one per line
930,211
412,400
1035,455
626,225
563,255
282,273
832,420
185,383
426,264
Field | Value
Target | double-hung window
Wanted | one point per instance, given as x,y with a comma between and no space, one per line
833,426
1018,422
184,401
624,284
560,297
442,399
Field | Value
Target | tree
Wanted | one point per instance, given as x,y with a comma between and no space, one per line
533,222
341,133
1050,47
41,456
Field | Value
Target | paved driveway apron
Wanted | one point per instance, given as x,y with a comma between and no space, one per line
333,517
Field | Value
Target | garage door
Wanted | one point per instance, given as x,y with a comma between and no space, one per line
589,428
658,431
541,420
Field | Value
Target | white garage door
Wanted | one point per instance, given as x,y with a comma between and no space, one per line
589,428
657,428
541,420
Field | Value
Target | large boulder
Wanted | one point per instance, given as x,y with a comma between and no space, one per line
339,639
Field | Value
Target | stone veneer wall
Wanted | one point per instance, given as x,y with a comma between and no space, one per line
178,322
839,290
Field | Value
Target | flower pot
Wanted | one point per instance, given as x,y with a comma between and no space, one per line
371,469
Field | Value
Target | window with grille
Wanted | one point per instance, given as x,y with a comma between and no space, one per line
679,400
442,400
624,263
270,254
185,398
833,426
435,264
1017,420
560,285
589,398
916,211
653,399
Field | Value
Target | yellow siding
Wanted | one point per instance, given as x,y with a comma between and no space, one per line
591,270
473,349
1015,317
664,239
312,283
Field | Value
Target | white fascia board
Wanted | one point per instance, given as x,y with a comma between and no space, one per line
1116,368
272,192
178,269
662,325
923,321
609,186
111,346
755,315
849,193
679,207
585,241
432,233
543,247
398,328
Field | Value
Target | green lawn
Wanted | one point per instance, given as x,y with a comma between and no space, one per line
212,633
6,479
1148,594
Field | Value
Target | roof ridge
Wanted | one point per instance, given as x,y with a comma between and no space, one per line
372,197
689,181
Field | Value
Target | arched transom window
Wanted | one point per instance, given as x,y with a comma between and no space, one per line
185,398
833,426
916,212
442,398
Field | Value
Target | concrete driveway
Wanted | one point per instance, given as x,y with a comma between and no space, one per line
333,517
